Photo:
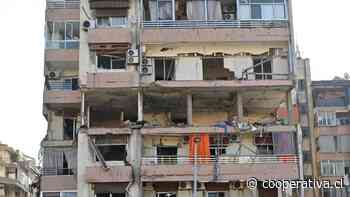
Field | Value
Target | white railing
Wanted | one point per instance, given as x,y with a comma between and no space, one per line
62,44
174,160
216,24
72,4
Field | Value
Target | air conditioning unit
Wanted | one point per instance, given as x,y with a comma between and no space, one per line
54,75
146,61
146,70
132,56
89,24
229,17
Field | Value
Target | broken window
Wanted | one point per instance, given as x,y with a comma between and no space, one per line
264,143
213,69
167,154
112,148
216,194
343,118
108,194
166,194
113,21
262,9
69,128
196,10
327,118
262,68
111,62
164,69
218,145
61,35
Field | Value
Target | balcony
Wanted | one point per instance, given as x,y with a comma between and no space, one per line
63,4
61,92
57,180
225,168
62,10
122,79
210,33
336,130
115,174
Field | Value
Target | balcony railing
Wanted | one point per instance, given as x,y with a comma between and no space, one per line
62,44
174,160
337,102
68,4
57,171
61,85
217,24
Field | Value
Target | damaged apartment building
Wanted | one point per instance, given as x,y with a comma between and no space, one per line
169,98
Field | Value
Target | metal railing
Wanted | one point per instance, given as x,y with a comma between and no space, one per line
217,24
61,85
57,171
265,76
258,159
62,44
68,4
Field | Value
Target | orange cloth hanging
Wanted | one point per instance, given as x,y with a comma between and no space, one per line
203,150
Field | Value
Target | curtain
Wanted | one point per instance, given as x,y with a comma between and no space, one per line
327,144
71,157
153,10
202,148
283,143
195,10
52,160
165,10
214,10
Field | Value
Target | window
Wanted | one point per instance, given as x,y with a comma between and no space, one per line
334,168
262,68
115,21
218,145
112,148
111,62
343,145
327,144
327,118
63,84
59,194
109,194
264,143
301,84
166,194
262,9
164,69
167,154
195,10
343,118
216,194
213,69
62,35
69,128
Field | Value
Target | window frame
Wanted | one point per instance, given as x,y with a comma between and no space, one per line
249,3
111,69
65,41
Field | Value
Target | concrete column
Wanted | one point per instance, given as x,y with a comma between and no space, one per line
254,193
185,192
88,116
239,105
84,158
148,190
290,108
140,105
135,150
82,109
189,109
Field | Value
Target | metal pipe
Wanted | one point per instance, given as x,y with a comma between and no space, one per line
194,190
